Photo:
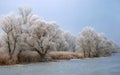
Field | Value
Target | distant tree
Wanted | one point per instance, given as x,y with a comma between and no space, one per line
93,44
71,40
60,42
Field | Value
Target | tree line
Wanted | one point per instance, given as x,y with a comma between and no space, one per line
27,32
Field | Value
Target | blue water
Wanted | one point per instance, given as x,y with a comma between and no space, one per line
89,66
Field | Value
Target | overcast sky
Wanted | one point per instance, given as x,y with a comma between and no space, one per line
74,15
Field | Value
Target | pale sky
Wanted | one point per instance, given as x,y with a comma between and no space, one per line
74,15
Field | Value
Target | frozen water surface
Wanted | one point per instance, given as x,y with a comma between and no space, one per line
93,66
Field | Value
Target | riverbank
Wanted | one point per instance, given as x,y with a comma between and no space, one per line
93,66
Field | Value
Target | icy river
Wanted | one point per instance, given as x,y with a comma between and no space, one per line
89,66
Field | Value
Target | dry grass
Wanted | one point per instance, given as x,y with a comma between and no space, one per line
65,55
5,59
32,56
29,56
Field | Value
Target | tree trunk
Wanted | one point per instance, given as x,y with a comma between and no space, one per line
11,56
18,56
42,56
84,53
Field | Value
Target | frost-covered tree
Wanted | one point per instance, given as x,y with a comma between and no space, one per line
71,40
93,44
39,35
11,31
60,42
40,39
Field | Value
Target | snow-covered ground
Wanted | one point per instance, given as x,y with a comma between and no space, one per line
93,66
